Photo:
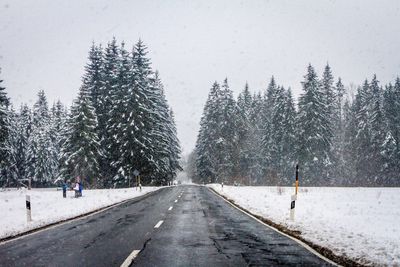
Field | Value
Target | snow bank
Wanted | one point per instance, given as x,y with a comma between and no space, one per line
48,206
360,223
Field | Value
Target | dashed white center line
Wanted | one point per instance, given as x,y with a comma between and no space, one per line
176,200
131,257
170,208
158,224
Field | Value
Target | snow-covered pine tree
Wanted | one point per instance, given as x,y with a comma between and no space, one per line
328,90
81,149
109,84
117,115
206,161
257,161
138,136
160,132
391,147
362,148
23,128
349,143
288,141
174,147
227,144
58,119
167,152
377,131
4,134
314,134
93,77
41,150
282,138
244,131
11,146
267,142
273,141
338,134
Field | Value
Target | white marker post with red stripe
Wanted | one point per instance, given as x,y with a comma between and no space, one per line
294,197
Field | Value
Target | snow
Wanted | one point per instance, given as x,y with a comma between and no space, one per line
360,223
48,206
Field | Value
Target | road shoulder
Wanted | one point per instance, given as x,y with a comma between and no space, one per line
322,252
74,218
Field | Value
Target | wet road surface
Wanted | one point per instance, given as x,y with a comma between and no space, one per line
174,226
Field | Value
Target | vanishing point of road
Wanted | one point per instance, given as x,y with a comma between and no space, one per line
184,225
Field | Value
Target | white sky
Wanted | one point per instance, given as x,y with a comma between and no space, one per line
44,45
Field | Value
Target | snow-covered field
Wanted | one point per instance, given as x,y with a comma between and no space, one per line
48,206
360,223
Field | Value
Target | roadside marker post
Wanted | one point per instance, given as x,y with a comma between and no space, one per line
294,197
136,174
28,208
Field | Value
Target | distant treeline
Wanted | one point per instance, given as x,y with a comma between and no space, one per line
338,138
119,122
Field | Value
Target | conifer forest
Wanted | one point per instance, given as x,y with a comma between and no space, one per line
339,135
120,122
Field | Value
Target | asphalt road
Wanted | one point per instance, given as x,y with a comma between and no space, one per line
200,229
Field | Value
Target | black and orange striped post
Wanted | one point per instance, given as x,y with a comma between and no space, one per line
294,197
297,179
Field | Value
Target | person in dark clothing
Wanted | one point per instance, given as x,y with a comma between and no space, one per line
64,189
80,189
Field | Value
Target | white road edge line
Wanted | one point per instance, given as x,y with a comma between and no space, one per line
131,257
158,224
276,230
170,208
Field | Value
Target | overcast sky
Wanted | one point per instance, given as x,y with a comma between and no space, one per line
44,45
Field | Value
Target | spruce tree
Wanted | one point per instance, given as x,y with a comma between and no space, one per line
4,133
391,147
23,131
208,137
174,147
58,119
338,133
41,155
109,85
244,129
363,153
274,138
268,108
228,140
314,137
160,131
330,100
82,149
349,155
288,141
117,114
93,78
377,131
257,160
138,136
